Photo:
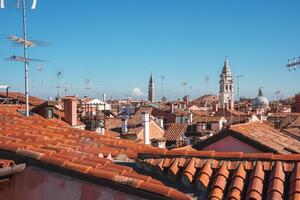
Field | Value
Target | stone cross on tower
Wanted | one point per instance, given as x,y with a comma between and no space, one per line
226,87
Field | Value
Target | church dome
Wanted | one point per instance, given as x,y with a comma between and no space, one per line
260,101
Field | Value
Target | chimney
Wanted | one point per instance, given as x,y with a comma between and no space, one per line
124,123
70,105
160,121
7,88
190,117
186,101
101,130
146,124
215,107
104,97
172,108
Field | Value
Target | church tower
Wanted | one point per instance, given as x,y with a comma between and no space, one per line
151,89
226,87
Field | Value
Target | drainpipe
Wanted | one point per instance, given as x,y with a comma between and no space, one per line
12,170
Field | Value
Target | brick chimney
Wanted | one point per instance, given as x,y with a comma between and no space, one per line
70,106
146,123
215,107
190,117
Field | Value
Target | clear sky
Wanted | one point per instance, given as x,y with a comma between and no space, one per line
117,44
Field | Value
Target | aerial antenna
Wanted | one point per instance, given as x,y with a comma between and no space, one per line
184,84
58,76
206,81
88,83
25,58
162,86
39,69
293,63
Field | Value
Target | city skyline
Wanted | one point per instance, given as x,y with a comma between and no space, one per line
184,42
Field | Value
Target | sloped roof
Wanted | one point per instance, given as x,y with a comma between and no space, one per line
229,175
136,118
258,135
46,142
33,101
228,113
267,136
296,122
283,114
208,119
174,131
293,132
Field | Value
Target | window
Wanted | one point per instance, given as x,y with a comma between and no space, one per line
226,88
208,127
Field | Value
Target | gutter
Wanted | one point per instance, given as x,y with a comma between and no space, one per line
12,170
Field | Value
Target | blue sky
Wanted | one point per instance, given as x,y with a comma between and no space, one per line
118,43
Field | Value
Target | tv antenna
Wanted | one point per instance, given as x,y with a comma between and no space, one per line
58,76
293,63
25,45
39,69
184,84
162,86
88,83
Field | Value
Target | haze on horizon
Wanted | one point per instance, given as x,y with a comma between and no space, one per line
113,46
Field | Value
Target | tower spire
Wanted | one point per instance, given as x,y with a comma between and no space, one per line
226,67
151,89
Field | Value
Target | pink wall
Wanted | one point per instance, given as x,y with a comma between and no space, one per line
38,184
231,144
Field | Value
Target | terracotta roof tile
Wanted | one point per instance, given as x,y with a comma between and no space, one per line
237,183
189,172
174,131
238,176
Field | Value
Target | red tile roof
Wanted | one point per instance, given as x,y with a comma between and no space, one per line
258,135
85,152
208,119
174,131
231,175
33,101
268,136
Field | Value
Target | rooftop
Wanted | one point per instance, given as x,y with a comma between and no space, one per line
54,146
229,175
259,135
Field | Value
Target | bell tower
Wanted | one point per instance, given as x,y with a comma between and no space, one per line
151,89
226,87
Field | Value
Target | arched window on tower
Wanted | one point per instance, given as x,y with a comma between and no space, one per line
226,88
230,88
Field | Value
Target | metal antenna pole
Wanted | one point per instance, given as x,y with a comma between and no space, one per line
25,56
238,88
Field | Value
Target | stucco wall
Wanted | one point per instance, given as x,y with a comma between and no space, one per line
155,131
231,144
38,184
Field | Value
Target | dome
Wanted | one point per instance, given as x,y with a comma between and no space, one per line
260,101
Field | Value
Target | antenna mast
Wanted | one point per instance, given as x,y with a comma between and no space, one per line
25,44
293,64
